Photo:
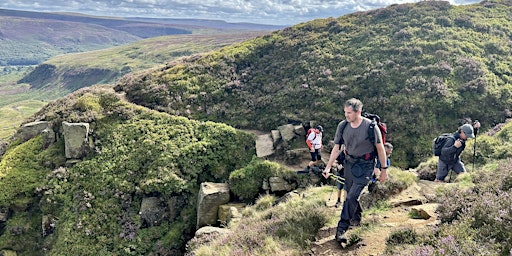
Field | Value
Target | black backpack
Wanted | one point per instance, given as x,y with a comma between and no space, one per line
439,142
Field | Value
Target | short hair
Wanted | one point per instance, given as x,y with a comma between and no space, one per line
388,145
355,104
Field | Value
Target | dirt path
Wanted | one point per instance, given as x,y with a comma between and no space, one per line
413,199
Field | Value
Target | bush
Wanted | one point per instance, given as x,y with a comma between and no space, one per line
247,182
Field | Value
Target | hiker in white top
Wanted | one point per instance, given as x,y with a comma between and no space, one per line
314,142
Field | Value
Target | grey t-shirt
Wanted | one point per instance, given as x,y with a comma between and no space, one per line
356,140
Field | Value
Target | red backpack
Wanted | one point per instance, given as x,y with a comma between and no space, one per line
316,131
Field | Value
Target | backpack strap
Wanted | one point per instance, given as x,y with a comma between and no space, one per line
343,125
371,131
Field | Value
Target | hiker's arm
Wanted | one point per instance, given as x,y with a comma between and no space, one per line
334,154
309,140
381,152
449,148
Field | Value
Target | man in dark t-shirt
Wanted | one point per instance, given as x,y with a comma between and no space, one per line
360,154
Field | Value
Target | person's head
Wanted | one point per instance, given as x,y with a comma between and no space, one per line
320,128
389,148
466,131
353,108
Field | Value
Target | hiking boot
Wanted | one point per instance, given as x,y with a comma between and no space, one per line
340,237
355,223
337,204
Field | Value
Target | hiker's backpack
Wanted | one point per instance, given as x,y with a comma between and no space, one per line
316,131
371,133
439,142
376,121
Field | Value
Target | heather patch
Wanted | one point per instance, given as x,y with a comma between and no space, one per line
476,219
286,228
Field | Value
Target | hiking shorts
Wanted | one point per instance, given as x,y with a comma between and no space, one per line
443,169
315,156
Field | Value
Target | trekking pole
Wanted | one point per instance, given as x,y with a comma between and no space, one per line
336,178
332,190
474,150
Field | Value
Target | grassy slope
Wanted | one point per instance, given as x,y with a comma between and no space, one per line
425,68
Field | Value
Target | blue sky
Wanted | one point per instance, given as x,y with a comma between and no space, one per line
276,12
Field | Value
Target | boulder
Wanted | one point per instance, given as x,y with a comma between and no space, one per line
287,132
295,156
211,196
225,211
31,130
76,139
48,137
300,130
264,145
279,184
276,136
209,230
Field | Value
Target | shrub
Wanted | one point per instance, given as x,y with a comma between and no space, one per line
247,181
402,236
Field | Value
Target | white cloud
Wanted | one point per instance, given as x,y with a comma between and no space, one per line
258,11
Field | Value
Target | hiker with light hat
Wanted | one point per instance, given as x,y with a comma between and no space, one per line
450,153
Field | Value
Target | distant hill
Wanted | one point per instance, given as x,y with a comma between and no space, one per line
67,73
29,38
217,24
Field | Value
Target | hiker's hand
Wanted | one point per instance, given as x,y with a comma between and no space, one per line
312,149
326,174
457,143
383,175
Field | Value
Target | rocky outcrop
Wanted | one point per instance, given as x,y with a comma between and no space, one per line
31,130
287,132
211,196
264,145
278,184
76,137
230,211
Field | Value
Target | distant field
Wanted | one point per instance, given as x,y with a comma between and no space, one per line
12,115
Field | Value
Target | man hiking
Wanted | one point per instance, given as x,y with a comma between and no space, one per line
449,159
359,162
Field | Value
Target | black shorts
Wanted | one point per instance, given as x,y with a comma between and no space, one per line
315,156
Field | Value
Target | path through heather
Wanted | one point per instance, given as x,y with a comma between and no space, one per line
383,224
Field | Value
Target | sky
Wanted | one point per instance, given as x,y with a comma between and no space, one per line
274,12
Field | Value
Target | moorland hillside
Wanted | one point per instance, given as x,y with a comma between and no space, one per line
425,68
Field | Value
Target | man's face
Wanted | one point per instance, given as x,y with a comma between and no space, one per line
350,114
389,151
463,136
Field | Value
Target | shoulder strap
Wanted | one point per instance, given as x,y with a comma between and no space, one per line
311,130
371,131
343,125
